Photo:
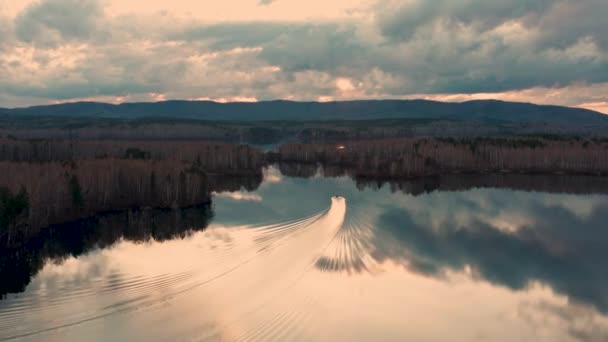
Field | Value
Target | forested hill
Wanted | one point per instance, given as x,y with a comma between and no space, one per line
486,111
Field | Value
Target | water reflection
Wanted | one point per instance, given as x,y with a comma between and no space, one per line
556,183
453,258
559,249
509,239
60,242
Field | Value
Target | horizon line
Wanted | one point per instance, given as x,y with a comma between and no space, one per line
202,100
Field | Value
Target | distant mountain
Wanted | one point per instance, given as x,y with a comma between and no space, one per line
486,111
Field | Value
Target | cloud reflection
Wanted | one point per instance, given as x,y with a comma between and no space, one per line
558,248
239,196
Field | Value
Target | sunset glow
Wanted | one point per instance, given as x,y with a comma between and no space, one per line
55,51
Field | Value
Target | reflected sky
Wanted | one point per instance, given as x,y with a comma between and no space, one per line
289,261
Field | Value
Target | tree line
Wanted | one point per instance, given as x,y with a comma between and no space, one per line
212,157
46,182
416,157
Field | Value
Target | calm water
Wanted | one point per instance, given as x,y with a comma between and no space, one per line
290,261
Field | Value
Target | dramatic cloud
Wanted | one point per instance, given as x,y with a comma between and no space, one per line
62,50
490,46
58,21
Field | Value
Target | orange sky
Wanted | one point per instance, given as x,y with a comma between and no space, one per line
249,50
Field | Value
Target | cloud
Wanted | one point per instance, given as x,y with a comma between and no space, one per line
591,96
292,46
6,33
401,20
57,50
555,23
54,22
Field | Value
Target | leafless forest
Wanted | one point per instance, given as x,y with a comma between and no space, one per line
417,157
45,182
213,157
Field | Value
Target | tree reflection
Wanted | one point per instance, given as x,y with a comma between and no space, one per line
20,262
574,184
58,242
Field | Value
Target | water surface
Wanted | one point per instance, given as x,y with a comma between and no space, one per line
322,259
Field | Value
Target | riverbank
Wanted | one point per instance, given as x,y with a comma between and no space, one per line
424,157
46,182
36,195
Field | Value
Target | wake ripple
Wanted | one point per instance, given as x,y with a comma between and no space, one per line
254,275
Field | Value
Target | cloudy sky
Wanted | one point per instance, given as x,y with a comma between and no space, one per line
543,51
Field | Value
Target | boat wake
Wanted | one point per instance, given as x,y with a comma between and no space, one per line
253,281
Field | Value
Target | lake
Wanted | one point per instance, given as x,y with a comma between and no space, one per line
326,259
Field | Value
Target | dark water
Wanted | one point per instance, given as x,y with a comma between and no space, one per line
290,261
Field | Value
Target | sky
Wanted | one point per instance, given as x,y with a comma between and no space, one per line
541,51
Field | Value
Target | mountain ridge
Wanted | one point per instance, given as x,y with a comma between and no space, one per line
279,110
